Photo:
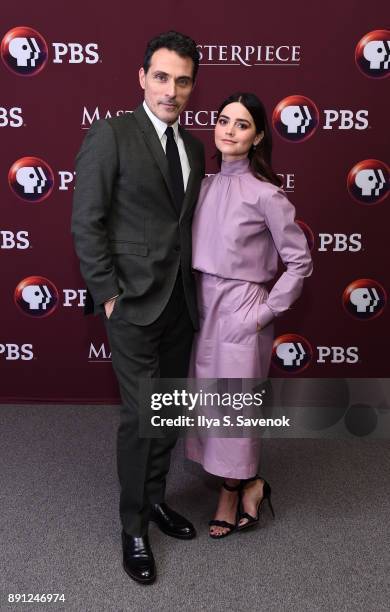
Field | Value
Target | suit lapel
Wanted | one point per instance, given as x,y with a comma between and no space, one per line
155,147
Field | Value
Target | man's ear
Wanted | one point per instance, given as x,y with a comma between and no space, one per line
141,76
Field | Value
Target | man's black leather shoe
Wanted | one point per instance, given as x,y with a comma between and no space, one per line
172,523
138,560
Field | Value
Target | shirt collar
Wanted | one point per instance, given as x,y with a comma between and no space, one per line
159,125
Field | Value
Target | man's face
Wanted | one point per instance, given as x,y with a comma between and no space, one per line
168,84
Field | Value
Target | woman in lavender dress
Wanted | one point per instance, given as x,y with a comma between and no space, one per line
242,222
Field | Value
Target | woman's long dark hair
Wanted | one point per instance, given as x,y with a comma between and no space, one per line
260,156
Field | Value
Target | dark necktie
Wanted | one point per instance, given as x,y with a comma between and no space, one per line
175,170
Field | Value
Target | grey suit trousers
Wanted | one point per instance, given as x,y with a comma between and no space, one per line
159,350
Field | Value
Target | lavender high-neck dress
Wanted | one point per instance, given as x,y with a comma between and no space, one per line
240,226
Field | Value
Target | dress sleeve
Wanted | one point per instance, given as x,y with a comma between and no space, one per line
293,250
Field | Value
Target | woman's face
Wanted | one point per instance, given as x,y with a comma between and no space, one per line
235,132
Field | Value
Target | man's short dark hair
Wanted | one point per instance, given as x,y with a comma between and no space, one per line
174,41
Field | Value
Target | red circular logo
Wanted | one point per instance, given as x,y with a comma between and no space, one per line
24,51
31,179
291,353
372,54
36,296
368,181
364,299
308,234
295,118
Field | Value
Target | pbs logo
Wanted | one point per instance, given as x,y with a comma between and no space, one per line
368,181
11,117
31,179
291,353
372,54
14,352
36,296
364,299
295,118
10,240
24,51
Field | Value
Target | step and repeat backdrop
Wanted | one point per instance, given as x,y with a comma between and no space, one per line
322,75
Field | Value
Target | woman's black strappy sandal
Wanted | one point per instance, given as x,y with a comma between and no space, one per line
225,524
253,520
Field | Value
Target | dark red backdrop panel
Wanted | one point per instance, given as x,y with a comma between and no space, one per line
301,59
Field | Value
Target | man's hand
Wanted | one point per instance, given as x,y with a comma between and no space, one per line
109,306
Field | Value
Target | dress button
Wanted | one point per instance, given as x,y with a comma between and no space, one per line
176,248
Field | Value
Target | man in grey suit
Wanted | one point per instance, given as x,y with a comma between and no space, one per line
138,179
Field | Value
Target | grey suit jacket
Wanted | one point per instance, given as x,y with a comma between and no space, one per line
127,233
